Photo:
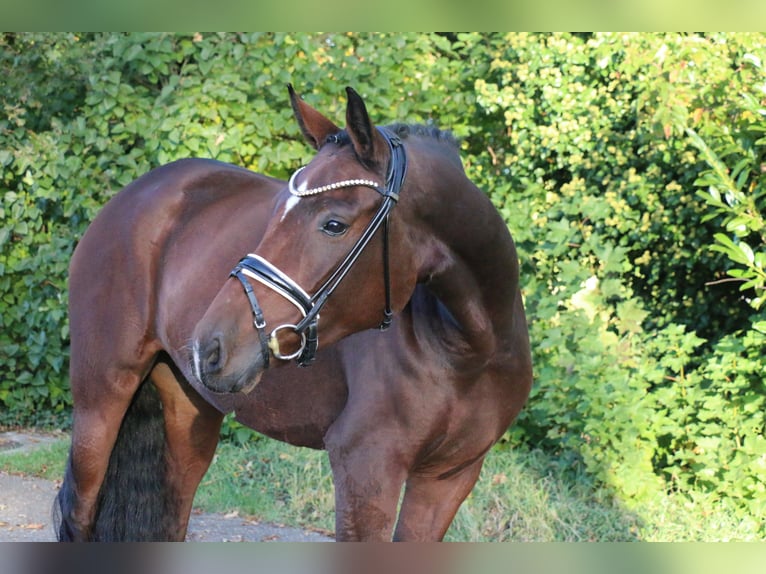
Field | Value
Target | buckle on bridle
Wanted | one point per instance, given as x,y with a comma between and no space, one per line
274,343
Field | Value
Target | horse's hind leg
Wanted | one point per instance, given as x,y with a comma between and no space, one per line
140,445
431,502
192,429
97,417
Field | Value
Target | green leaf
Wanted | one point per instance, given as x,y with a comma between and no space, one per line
631,316
747,251
735,253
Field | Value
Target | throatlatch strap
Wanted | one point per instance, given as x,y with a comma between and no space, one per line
388,314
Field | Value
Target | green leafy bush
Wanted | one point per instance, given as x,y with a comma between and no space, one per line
646,362
629,167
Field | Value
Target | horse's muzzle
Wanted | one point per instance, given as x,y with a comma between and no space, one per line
214,369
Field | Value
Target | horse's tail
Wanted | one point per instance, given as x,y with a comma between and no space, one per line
135,503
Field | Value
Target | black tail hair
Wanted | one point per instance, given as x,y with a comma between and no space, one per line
135,503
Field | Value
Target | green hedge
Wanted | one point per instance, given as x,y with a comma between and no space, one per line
630,169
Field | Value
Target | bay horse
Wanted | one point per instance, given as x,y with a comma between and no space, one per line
197,291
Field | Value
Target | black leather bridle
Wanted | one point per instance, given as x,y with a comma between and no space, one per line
265,272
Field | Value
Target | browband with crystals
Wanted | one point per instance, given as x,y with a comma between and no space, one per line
329,186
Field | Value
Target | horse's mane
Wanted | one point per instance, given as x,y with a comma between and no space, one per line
422,130
404,131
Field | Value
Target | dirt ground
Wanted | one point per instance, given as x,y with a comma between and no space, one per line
26,510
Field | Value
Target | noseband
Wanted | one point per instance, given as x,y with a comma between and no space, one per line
266,273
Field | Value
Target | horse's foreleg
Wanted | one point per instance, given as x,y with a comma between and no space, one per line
368,478
366,495
431,502
192,429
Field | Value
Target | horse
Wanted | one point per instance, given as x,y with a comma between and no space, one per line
197,291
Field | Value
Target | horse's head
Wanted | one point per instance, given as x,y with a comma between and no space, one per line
333,244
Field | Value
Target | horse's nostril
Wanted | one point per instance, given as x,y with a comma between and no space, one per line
213,356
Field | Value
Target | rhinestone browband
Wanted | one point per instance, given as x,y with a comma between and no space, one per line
329,186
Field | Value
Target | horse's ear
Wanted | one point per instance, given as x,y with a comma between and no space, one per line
315,126
360,128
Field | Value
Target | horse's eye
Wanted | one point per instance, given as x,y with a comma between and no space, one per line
334,228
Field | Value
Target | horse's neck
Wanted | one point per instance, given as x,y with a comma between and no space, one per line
473,266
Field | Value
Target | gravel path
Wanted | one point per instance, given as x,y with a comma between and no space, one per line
26,505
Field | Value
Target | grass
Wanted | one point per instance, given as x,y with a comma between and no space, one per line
525,495
46,461
522,495
272,481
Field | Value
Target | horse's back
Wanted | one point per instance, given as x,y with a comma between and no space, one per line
156,199
181,223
